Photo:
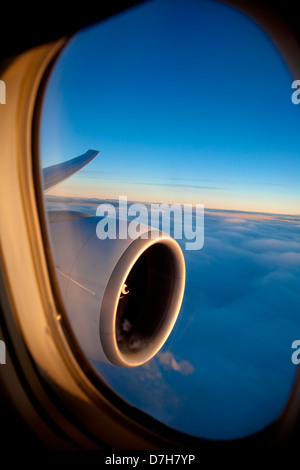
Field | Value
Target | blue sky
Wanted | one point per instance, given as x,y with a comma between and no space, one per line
187,102
226,370
190,102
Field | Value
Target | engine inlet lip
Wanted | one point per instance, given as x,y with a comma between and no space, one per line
113,291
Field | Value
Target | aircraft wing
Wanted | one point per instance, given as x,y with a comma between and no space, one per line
122,296
55,174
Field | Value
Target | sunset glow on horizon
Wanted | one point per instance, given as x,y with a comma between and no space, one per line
188,102
177,115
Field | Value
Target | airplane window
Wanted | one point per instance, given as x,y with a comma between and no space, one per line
171,163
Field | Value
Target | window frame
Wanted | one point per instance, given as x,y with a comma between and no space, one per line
56,391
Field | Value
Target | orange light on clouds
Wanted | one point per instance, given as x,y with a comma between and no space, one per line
235,199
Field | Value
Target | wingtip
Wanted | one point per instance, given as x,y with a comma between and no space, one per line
58,173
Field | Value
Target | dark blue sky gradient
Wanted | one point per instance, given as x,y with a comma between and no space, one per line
226,371
190,102
192,95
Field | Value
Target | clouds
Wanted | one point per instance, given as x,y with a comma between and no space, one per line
168,361
226,370
152,387
239,318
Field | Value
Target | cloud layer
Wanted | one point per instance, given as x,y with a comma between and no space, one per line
226,370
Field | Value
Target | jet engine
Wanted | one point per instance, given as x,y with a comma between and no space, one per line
121,296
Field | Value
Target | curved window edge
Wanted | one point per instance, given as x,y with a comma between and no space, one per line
25,78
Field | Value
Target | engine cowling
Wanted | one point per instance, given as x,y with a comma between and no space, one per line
122,296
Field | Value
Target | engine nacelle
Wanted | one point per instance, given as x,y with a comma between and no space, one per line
122,297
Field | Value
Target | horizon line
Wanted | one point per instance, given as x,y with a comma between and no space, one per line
213,209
